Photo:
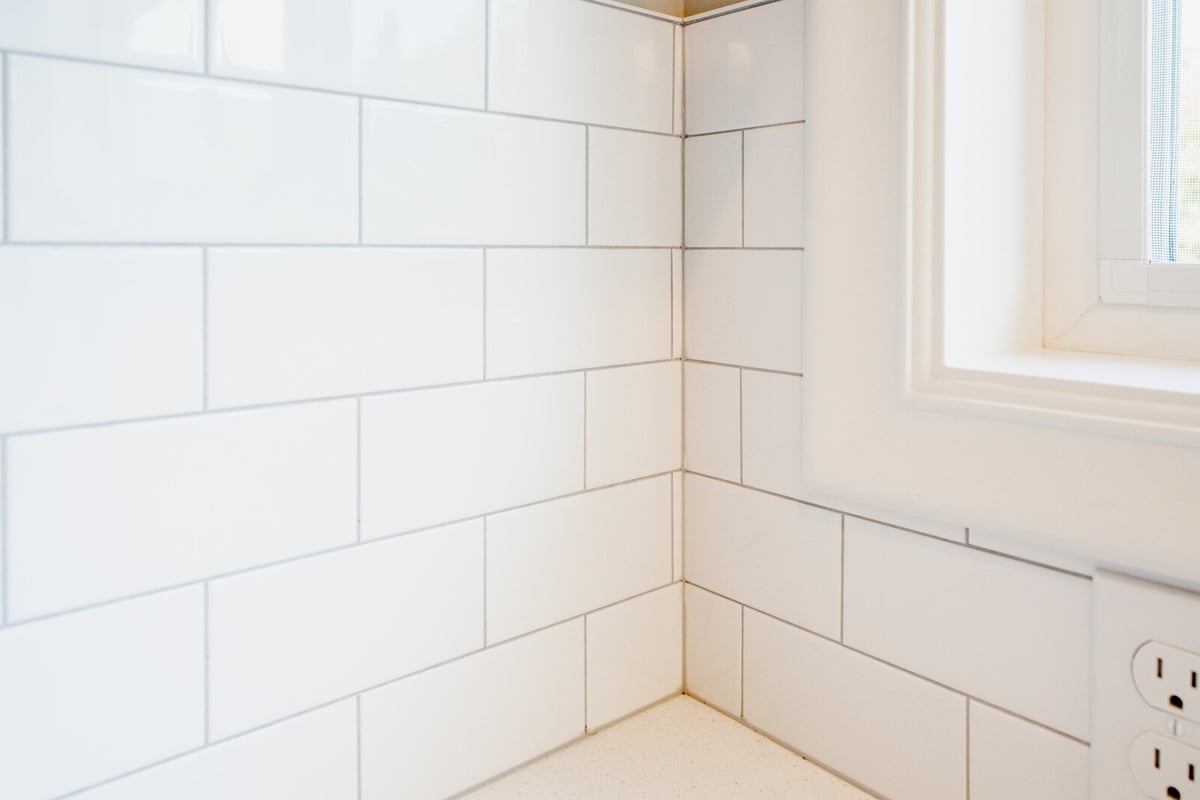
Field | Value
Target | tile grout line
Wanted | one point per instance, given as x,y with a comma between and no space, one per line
204,329
487,55
741,432
358,489
484,320
585,674
485,580
148,244
207,670
587,186
585,428
743,177
742,666
360,170
727,131
842,588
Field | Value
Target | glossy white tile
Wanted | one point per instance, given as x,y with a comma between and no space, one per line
310,757
713,188
553,561
899,736
712,419
743,307
107,154
99,513
407,49
550,310
634,655
152,33
775,187
633,422
1014,758
437,456
714,649
73,334
746,69
633,189
91,695
530,691
575,60
1014,634
383,610
438,176
779,556
349,321
771,432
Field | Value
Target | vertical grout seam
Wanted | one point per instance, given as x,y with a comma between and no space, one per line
742,669
743,176
487,55
741,437
360,170
204,328
585,429
207,679
587,185
484,320
485,581
358,489
585,675
842,588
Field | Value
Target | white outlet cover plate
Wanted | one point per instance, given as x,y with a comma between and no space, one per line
1127,613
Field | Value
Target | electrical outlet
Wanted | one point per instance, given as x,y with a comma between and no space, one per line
1165,768
1134,624
1165,676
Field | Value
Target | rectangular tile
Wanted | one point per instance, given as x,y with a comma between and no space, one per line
744,307
415,745
91,695
633,422
153,33
97,158
407,49
712,419
551,310
776,555
771,432
775,187
311,757
438,176
634,655
581,61
634,196
1013,758
892,732
88,310
746,69
714,649
676,304
1011,633
437,456
713,189
552,561
351,321
100,513
276,647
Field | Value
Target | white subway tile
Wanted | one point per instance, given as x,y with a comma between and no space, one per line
408,49
107,154
713,189
1004,631
350,321
676,304
91,695
714,649
551,310
1013,758
438,176
743,307
771,432
746,69
633,425
527,695
553,561
153,33
677,526
100,513
437,456
775,187
776,555
581,61
310,757
382,610
894,733
712,417
1014,545
634,196
634,655
73,334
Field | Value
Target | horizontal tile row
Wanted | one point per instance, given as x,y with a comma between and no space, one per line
536,61
745,188
350,321
389,172
139,665
95,514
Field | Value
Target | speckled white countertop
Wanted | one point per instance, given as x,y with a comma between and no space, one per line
678,749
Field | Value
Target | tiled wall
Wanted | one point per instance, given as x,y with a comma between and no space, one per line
340,422
900,653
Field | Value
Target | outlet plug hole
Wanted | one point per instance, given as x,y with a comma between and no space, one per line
1192,773
1157,757
1160,668
1177,701
1173,793
1193,680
